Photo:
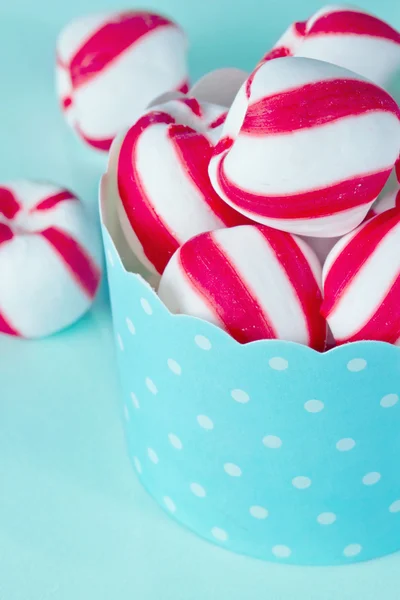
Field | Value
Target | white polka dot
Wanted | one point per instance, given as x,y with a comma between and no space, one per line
314,406
197,490
152,455
371,478
345,444
281,551
395,507
232,470
135,401
126,412
389,400
203,342
137,464
170,504
174,366
272,441
146,306
205,422
175,441
352,550
278,364
219,534
326,518
301,482
240,396
258,512
130,326
356,364
120,342
151,386
110,258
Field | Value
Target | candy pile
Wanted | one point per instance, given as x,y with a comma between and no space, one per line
267,203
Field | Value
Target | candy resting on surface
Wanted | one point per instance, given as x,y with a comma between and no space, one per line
111,66
50,257
306,147
253,281
361,279
160,170
348,37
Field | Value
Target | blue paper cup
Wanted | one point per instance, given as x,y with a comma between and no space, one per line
268,449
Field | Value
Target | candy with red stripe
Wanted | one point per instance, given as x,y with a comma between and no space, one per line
306,147
158,173
253,281
50,259
347,37
361,279
111,66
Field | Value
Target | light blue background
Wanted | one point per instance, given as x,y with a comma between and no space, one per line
74,522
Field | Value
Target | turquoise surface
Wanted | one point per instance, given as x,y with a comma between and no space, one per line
74,521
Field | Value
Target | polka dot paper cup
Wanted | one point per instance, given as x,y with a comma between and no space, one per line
268,449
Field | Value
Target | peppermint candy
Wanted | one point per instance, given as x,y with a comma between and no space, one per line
160,172
50,259
347,37
253,281
306,147
361,279
111,66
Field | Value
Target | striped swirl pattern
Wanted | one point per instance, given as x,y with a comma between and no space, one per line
50,259
361,279
306,147
252,281
347,37
161,170
111,66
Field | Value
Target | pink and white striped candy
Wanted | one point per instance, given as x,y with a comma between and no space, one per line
361,279
348,37
50,258
160,169
111,66
253,281
306,147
